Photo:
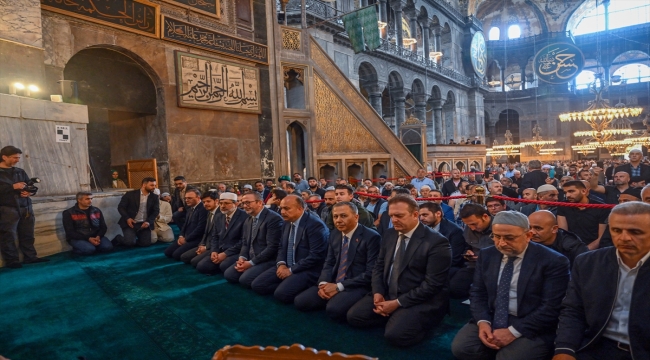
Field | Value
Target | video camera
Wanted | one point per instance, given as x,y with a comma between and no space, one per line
30,186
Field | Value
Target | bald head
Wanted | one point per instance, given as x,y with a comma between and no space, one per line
543,225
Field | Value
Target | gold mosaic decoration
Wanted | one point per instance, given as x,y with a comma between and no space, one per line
338,130
291,39
399,172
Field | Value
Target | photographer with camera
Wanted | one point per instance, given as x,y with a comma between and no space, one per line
16,214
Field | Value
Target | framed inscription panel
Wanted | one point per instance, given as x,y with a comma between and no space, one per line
188,34
208,83
137,16
208,7
558,63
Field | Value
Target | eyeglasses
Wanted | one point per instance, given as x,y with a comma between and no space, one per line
506,238
247,203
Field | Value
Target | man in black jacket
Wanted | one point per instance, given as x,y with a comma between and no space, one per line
431,216
451,186
210,201
178,201
226,236
543,224
260,242
138,209
515,296
605,313
534,178
635,167
194,226
410,280
16,214
85,226
346,275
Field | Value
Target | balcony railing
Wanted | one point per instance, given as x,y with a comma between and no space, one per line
530,40
321,11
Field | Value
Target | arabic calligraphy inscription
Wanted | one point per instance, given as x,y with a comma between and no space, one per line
211,7
209,83
478,53
558,63
132,15
185,33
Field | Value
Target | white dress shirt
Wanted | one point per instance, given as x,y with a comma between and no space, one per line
141,216
349,236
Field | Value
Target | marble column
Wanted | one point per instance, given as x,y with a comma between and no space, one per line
437,46
503,79
375,102
400,112
431,130
383,17
421,111
413,28
399,37
364,3
438,123
491,134
425,38
522,69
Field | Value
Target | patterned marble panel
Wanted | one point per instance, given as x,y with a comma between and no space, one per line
20,21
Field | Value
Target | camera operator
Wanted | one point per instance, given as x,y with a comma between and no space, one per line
16,214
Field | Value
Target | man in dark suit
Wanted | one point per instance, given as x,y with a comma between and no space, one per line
635,167
194,255
515,297
301,256
605,313
534,178
194,227
410,279
384,220
178,201
346,275
259,243
226,236
431,216
138,210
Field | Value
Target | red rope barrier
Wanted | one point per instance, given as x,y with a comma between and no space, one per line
555,203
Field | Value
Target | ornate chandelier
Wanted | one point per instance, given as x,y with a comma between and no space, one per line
600,116
508,148
537,143
584,147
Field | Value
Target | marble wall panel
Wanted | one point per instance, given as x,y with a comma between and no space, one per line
49,232
10,106
20,63
20,21
57,41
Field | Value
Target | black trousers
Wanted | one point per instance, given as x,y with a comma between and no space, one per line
206,266
286,289
604,349
136,235
175,251
460,283
16,225
336,307
247,277
404,327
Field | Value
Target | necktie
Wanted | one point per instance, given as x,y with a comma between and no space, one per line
251,252
227,221
292,240
189,214
208,227
343,266
503,295
397,263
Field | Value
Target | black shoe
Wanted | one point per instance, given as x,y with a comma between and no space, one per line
117,240
14,265
35,260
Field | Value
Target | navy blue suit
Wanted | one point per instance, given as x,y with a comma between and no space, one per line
310,246
265,243
363,250
459,246
224,240
193,231
542,283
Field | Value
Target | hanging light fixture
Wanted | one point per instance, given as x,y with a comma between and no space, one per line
510,148
381,24
585,147
538,143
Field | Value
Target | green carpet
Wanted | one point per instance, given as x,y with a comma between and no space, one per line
137,304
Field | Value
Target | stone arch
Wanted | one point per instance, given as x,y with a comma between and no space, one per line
629,57
444,167
126,109
449,116
435,93
368,78
446,44
297,147
508,120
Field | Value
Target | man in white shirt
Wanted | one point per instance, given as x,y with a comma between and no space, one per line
421,179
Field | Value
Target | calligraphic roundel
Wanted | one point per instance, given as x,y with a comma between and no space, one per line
478,54
558,63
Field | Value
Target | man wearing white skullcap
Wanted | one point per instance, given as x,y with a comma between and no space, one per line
516,295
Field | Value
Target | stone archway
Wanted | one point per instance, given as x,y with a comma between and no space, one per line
125,109
297,146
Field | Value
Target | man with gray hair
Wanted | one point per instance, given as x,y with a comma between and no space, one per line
635,168
605,313
85,226
515,297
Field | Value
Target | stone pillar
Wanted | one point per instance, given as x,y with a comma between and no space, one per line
413,22
491,134
400,112
399,37
431,129
502,73
476,112
606,5
425,38
438,122
364,3
522,70
383,17
421,111
375,102
437,46
606,69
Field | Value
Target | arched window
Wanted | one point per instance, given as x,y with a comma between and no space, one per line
590,19
634,73
514,32
494,34
585,78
